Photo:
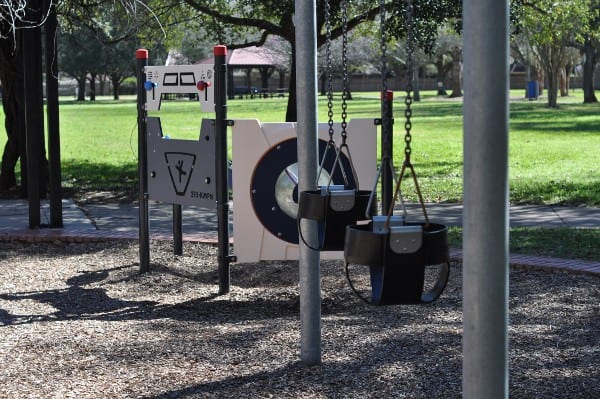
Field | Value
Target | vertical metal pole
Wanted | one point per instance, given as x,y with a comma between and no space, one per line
55,194
34,111
221,166
310,269
177,230
485,218
141,56
387,149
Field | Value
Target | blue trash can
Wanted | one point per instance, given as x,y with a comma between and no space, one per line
532,90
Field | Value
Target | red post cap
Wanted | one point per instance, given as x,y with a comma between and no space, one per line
201,85
141,54
387,95
220,50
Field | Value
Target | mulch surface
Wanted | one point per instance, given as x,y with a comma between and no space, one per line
77,320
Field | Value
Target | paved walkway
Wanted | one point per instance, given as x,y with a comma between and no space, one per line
120,221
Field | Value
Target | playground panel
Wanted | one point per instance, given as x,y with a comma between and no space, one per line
179,79
267,230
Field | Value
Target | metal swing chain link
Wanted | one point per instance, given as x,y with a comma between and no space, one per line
410,47
408,100
345,76
329,71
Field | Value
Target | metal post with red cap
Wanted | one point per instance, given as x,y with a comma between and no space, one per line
141,56
221,165
387,145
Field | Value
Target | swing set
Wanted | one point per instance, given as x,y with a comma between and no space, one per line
396,251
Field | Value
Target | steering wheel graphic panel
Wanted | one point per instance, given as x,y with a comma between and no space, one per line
274,187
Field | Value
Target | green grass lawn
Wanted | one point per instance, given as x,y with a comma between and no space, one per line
554,153
562,242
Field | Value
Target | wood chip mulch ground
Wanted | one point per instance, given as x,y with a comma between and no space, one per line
78,321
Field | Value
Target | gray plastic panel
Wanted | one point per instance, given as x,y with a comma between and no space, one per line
182,171
180,79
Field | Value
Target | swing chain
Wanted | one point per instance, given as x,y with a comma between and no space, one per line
408,125
329,72
344,7
408,99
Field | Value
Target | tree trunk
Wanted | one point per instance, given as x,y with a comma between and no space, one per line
323,84
92,86
281,78
568,71
11,104
415,85
116,85
455,73
81,88
442,72
291,114
553,77
541,80
563,83
441,91
589,66
265,74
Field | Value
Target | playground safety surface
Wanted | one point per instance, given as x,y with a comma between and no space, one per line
119,221
80,321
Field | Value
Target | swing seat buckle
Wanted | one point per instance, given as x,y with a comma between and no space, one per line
340,199
380,223
406,239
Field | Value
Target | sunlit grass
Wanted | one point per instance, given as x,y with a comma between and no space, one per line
553,152
561,242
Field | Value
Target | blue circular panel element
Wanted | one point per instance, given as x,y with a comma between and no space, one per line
274,187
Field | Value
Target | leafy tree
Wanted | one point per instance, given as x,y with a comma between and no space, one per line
119,64
247,23
99,41
73,14
14,16
426,21
552,27
446,58
193,42
79,54
522,53
589,47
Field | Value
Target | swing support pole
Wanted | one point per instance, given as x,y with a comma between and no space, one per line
387,147
141,56
220,53
485,215
308,260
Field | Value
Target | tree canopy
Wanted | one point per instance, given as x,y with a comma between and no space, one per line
551,28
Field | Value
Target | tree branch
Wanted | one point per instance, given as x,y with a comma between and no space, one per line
230,19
